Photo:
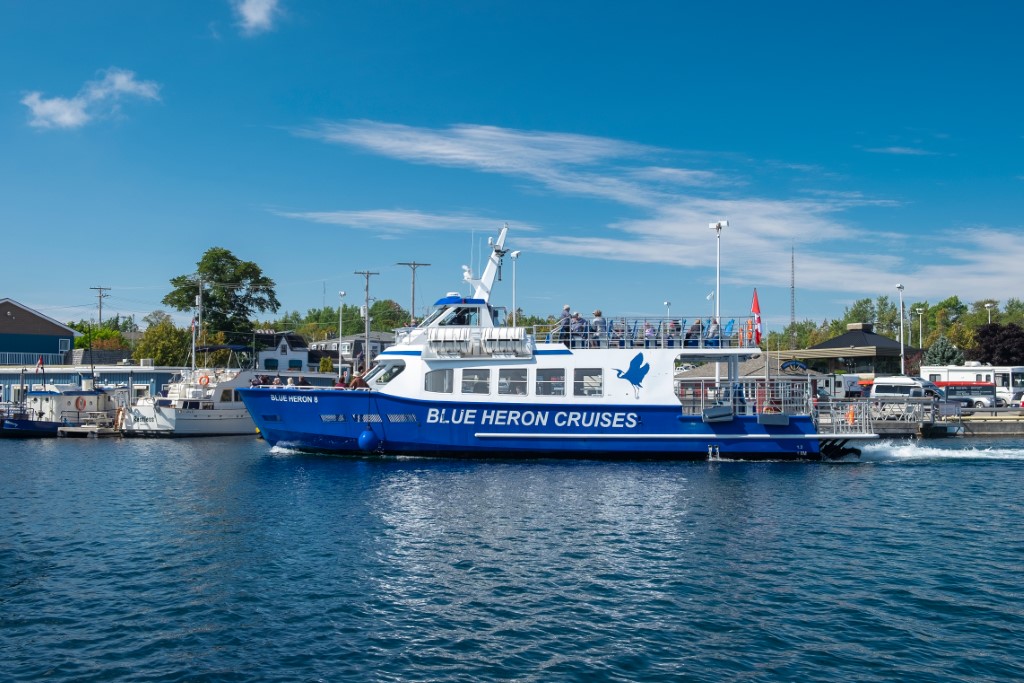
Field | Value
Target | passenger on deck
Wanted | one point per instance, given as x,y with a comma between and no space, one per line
693,334
303,382
599,328
650,335
714,330
358,383
277,381
562,326
580,330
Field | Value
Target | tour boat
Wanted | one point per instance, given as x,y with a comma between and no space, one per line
463,384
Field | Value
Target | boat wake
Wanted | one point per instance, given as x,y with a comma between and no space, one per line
906,451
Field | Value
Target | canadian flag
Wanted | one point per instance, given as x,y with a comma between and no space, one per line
755,309
39,364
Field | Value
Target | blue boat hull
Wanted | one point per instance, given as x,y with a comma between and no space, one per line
19,428
359,422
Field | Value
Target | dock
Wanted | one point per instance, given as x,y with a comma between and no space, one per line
924,419
92,426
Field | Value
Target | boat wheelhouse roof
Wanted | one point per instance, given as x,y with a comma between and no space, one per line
453,299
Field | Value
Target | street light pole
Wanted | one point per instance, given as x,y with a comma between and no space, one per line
988,307
902,365
341,327
366,342
920,326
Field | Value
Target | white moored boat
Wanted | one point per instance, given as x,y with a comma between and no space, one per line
200,402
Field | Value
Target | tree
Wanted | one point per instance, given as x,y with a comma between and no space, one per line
97,337
155,318
999,344
165,343
232,291
387,315
1013,312
942,352
326,365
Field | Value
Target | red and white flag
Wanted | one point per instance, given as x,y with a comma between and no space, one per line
755,309
39,364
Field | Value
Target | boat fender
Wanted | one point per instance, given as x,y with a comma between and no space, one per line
851,416
368,441
204,380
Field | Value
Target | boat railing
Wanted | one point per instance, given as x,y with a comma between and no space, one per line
748,397
774,399
653,332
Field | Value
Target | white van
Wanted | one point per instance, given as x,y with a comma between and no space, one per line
899,386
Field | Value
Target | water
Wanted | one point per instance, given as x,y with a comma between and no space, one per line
222,560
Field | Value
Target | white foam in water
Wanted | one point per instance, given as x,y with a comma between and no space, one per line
941,449
278,449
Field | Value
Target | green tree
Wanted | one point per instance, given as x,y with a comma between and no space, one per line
387,315
232,291
948,312
1013,312
887,317
155,318
165,343
943,352
862,311
326,365
97,337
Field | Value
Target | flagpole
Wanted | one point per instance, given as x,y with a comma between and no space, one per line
717,227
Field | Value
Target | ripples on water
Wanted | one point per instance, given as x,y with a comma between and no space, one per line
218,559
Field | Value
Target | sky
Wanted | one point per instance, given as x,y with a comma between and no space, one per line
869,144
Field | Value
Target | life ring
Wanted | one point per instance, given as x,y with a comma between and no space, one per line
851,416
204,380
80,403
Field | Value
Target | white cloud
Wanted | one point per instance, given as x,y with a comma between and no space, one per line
95,99
675,207
395,222
256,16
904,151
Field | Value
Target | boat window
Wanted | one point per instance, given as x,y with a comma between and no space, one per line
390,370
476,381
512,381
551,382
439,381
225,396
588,382
461,316
270,364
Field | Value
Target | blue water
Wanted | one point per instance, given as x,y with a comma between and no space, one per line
224,560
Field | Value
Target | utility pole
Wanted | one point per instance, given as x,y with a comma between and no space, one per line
366,342
414,266
101,296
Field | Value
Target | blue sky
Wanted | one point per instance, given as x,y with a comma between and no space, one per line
882,143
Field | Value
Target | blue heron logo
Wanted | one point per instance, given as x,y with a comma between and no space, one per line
638,369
